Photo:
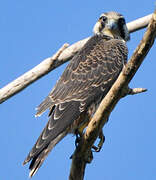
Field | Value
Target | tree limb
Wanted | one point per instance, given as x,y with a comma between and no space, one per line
136,91
128,91
63,55
108,103
139,23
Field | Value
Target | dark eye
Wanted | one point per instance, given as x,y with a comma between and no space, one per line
103,18
121,21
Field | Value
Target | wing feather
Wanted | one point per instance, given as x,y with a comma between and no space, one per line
99,61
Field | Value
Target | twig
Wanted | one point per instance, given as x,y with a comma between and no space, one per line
49,64
136,91
128,91
110,100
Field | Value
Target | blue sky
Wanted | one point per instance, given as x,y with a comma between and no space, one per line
33,30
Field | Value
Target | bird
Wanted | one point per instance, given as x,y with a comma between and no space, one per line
84,83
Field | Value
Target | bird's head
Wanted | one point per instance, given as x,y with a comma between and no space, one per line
112,24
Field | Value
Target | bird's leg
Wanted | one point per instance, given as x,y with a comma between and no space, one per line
100,144
79,133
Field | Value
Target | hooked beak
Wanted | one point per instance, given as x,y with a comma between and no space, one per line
112,25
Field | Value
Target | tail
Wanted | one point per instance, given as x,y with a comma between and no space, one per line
39,158
58,126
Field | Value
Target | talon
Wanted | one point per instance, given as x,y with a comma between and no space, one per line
102,140
100,144
95,148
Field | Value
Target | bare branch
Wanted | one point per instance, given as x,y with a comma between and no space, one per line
110,100
53,62
128,91
139,23
136,91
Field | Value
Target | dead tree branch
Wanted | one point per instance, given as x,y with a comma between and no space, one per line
139,23
136,91
62,56
79,158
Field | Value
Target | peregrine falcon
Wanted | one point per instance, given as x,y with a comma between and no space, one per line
84,83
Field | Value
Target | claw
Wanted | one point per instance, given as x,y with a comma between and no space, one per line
100,144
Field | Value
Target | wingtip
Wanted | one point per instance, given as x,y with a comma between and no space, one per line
23,163
39,113
26,160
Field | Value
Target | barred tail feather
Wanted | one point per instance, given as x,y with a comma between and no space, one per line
40,157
